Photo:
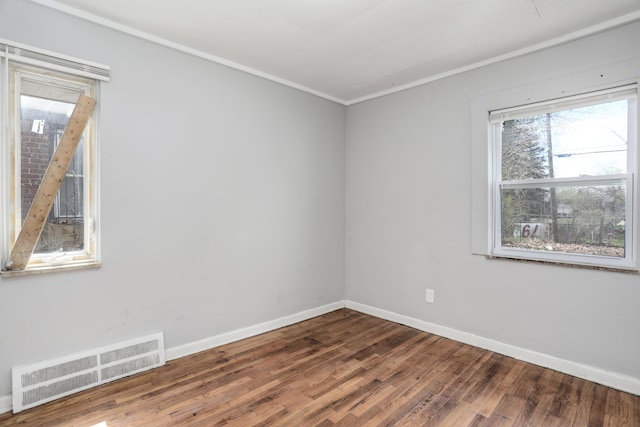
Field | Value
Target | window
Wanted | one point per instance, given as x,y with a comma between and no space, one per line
39,93
563,178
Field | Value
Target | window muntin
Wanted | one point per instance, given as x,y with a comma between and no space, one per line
563,179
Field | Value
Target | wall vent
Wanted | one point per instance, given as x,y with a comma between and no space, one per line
43,382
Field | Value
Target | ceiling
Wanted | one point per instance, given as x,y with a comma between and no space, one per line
351,50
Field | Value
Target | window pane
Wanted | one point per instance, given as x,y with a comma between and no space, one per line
585,141
586,220
42,123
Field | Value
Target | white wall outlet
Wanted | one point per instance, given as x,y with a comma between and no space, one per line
431,296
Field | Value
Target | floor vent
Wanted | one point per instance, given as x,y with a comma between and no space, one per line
49,380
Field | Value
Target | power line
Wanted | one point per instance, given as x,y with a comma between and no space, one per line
587,152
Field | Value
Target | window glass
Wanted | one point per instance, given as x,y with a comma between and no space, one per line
584,141
42,122
563,182
586,220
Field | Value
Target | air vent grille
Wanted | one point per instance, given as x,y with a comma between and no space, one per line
45,381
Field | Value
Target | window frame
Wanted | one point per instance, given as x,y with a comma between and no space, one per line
485,198
497,118
20,63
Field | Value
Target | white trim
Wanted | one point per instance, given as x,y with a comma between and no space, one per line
250,331
50,268
594,29
617,179
612,23
45,52
5,162
590,373
225,338
617,93
179,47
5,404
26,54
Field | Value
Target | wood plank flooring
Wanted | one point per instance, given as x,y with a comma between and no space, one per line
344,368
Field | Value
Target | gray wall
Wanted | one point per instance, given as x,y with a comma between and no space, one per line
409,216
222,201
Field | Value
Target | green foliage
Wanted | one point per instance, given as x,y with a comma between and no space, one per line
523,157
523,153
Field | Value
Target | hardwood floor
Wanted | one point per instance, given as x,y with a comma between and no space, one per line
343,368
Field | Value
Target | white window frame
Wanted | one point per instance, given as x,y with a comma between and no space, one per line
485,238
498,117
18,61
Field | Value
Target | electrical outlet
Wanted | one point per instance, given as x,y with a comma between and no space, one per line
431,296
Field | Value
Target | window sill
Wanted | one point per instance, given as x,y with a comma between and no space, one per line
566,264
49,269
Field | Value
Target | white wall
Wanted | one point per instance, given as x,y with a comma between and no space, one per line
409,220
222,201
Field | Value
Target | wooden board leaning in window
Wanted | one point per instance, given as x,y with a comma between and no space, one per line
46,194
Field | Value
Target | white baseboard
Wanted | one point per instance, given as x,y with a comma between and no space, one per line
6,404
208,343
608,378
250,331
600,376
